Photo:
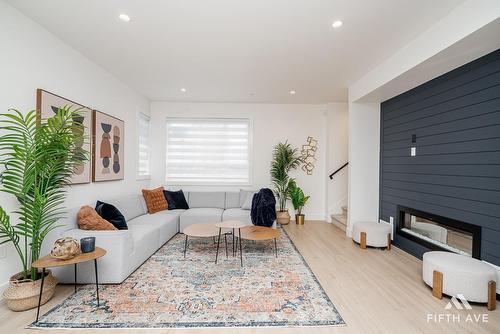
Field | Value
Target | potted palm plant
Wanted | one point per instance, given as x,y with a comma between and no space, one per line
38,157
298,200
285,159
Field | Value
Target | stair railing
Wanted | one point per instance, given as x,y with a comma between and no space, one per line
338,170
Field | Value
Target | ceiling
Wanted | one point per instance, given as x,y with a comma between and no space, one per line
237,50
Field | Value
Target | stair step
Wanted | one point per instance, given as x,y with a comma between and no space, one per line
339,221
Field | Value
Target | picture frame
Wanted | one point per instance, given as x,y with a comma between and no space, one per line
108,147
47,104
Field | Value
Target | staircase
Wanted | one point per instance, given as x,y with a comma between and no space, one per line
340,220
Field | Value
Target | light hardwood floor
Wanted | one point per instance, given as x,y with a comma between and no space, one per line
375,291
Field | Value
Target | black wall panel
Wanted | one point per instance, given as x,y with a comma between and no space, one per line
456,171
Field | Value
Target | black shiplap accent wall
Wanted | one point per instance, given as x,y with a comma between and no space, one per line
456,172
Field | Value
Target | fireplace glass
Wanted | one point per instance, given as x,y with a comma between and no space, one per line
444,236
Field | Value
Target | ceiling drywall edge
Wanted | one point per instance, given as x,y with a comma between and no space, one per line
466,19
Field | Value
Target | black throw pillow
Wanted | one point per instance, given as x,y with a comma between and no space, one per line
175,200
111,214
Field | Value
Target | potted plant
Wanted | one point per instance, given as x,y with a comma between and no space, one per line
285,159
298,200
38,157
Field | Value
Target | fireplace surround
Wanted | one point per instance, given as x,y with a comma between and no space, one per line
439,233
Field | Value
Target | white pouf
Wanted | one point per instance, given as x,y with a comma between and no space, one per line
376,234
461,275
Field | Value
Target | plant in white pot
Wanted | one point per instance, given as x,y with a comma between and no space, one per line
285,159
298,200
38,158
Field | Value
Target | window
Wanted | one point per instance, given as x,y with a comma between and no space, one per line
143,158
208,151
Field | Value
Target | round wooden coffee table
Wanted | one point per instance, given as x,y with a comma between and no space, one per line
48,261
232,225
260,233
202,230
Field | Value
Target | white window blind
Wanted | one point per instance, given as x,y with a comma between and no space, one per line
143,159
208,151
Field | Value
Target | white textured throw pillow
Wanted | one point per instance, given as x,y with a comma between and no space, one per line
248,202
244,194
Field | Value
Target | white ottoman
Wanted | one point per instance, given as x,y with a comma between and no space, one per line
372,234
455,274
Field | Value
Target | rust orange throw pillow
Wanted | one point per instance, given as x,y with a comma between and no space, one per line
155,200
89,219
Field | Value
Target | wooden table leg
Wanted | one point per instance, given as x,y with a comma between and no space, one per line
388,241
234,252
40,296
218,243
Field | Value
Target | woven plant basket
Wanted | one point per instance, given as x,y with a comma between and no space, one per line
22,295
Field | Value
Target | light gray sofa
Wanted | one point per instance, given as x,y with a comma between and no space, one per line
128,249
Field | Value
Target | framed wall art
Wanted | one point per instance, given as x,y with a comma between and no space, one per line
108,152
47,105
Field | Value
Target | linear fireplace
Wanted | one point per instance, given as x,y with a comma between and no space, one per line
439,233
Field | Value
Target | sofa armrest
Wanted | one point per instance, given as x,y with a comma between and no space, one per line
113,267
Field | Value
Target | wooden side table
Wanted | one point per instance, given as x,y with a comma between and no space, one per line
201,230
48,261
230,224
260,233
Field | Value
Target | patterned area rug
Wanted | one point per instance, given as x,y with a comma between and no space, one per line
172,292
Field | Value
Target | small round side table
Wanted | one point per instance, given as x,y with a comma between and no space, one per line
234,225
48,261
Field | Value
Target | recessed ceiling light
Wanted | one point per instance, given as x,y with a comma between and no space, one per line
124,17
337,24
183,90
292,92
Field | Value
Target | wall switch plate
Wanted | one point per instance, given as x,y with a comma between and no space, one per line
3,251
413,151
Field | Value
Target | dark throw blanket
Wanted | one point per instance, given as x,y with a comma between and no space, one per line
263,208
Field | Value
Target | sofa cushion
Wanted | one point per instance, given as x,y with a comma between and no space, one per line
244,195
200,215
130,206
232,200
111,214
155,200
205,199
165,222
237,214
176,200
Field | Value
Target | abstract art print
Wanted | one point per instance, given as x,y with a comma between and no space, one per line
47,105
108,148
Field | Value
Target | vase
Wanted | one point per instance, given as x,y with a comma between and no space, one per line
22,294
299,219
283,217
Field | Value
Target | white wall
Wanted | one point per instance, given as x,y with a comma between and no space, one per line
364,150
271,123
33,58
337,156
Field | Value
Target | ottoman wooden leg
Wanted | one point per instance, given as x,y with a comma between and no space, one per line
492,290
437,284
388,241
362,240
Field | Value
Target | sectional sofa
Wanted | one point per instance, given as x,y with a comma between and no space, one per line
128,249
